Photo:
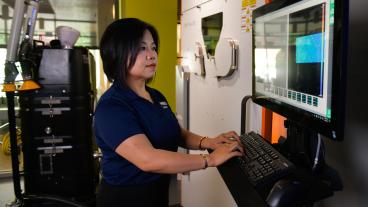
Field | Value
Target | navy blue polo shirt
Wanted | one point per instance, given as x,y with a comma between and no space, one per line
120,114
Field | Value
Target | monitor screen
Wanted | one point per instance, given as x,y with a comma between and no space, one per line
298,62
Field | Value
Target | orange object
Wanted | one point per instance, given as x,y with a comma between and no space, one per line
266,130
272,126
29,85
278,128
9,87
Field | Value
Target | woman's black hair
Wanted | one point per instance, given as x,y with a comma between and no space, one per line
120,45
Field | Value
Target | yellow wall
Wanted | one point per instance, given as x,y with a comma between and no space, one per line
162,14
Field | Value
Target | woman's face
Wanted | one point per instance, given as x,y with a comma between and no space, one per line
144,67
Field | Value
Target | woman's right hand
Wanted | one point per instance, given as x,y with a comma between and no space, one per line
224,152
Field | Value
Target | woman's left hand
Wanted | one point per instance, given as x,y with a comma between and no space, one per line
224,138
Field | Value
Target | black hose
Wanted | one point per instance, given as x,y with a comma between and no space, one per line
53,198
243,115
13,145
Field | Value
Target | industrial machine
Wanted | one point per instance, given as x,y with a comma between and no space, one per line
56,109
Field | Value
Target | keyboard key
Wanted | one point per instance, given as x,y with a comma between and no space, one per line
262,163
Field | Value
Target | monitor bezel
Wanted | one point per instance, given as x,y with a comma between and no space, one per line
335,128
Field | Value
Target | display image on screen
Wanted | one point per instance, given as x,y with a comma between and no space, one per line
306,50
293,51
299,62
309,49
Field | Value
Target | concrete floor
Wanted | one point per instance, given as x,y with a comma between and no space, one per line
7,191
6,181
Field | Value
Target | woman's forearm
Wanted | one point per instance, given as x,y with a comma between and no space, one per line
174,162
194,141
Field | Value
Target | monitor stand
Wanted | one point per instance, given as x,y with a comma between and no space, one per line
303,146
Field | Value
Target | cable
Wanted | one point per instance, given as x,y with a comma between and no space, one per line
6,141
52,198
316,158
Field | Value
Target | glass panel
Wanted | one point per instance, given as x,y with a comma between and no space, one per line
211,30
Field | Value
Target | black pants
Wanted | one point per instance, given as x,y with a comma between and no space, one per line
155,194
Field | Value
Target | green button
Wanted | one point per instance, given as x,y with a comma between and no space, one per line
328,113
332,12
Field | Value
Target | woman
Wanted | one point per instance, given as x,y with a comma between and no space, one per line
135,128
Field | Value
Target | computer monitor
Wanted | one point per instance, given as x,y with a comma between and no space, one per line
299,62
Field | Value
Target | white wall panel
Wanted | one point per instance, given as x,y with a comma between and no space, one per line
215,104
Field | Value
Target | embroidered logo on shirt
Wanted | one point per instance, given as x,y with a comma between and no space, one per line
164,105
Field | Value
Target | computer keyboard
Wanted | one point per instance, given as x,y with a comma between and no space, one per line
262,163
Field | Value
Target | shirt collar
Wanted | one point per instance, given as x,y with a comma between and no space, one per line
129,94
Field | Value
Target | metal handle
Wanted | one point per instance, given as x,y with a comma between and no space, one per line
234,58
97,155
200,56
234,55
